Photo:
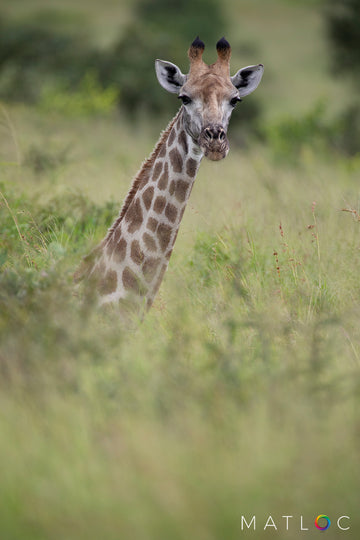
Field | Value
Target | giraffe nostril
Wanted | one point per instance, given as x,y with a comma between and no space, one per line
214,134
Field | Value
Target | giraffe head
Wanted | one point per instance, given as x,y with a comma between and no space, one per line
209,94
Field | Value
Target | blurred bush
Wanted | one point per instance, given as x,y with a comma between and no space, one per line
42,159
88,98
342,21
316,131
42,61
37,51
343,29
288,136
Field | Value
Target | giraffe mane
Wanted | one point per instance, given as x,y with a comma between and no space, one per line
146,166
89,261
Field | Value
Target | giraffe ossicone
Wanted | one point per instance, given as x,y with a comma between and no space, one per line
127,267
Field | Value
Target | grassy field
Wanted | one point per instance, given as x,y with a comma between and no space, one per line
239,393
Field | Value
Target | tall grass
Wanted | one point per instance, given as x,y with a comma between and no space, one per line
238,395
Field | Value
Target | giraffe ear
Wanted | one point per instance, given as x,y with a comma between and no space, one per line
169,76
247,79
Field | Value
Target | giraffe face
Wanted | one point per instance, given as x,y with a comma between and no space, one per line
208,102
209,95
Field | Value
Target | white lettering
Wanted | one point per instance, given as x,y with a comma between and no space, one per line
301,525
338,523
272,524
287,521
243,520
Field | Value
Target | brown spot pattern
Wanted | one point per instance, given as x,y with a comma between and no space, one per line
111,245
152,224
148,197
132,282
136,253
157,170
149,302
183,142
160,277
164,235
176,160
108,283
98,272
117,234
172,187
144,180
159,204
149,242
162,152
181,190
191,167
101,268
163,182
171,212
171,137
150,267
134,216
120,251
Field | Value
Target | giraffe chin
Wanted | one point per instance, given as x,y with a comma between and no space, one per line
215,154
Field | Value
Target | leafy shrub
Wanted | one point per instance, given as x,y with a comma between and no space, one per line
42,160
87,98
343,23
42,62
36,50
289,136
348,133
35,230
315,131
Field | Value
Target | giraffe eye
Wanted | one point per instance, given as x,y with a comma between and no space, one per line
185,99
234,101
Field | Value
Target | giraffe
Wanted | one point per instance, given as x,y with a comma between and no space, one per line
127,267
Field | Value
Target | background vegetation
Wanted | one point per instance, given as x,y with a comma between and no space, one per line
239,394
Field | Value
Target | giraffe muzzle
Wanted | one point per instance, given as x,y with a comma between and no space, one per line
214,142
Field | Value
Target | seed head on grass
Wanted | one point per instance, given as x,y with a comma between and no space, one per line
352,211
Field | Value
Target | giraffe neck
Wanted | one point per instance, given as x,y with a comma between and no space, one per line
136,251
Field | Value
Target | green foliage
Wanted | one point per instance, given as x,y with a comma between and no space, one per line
42,234
289,136
86,99
343,22
36,51
44,160
313,132
347,138
42,62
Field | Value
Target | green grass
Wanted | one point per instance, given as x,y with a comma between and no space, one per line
239,393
